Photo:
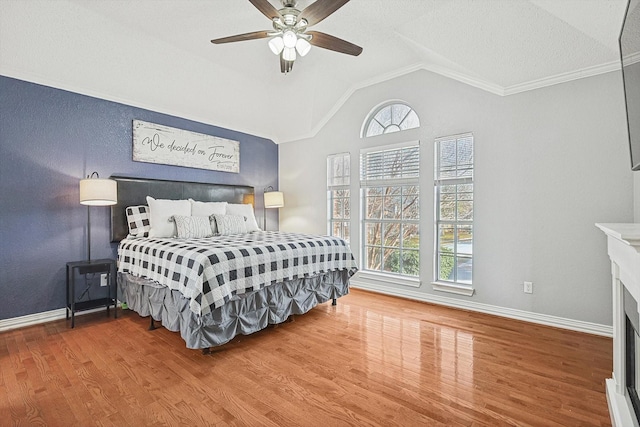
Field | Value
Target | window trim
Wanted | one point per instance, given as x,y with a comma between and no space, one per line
374,112
376,275
445,285
387,278
330,199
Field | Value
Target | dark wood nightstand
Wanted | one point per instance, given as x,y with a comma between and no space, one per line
83,268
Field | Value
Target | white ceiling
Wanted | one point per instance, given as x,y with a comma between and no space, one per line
157,54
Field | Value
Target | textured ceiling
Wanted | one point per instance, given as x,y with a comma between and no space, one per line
157,54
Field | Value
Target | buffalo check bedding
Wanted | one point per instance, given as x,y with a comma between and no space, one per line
211,271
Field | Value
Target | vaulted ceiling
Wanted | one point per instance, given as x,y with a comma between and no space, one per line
157,54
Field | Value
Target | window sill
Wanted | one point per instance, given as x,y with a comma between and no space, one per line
453,288
369,276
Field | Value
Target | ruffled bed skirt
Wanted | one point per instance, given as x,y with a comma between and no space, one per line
243,314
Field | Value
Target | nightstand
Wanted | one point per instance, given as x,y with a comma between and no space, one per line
93,267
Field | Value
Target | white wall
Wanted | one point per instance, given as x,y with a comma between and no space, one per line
636,196
548,165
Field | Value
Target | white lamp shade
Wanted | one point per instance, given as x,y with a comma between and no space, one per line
276,44
303,47
289,38
98,192
289,54
273,199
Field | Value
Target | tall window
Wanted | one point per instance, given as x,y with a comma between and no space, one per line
390,117
338,193
391,208
454,209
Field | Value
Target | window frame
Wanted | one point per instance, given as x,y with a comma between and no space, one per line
389,104
452,286
332,188
402,182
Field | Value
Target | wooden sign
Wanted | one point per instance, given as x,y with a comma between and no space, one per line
165,145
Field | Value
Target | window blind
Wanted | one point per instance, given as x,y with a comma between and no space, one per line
338,170
454,156
398,164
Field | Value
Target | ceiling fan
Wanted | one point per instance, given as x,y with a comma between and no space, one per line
290,35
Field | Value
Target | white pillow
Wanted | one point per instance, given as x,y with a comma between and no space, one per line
192,227
230,224
160,213
245,210
207,209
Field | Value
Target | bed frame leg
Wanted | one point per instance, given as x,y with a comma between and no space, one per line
334,302
206,351
152,325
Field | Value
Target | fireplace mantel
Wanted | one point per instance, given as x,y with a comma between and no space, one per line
623,247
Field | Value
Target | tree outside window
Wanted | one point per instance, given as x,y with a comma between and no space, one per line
454,209
391,214
338,195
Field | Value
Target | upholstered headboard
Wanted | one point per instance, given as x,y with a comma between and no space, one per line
133,192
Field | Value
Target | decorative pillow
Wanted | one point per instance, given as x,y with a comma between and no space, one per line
160,213
138,220
207,209
192,226
230,224
245,210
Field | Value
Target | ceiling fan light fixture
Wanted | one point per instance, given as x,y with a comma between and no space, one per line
303,47
289,38
276,44
289,54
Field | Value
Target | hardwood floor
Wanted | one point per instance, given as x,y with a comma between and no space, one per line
371,360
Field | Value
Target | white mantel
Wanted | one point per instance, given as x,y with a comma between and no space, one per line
623,247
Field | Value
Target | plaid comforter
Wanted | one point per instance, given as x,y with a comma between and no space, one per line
210,271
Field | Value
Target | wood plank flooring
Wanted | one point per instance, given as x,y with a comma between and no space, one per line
371,360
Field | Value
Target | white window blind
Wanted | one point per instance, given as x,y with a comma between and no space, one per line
454,157
389,179
454,212
338,170
397,164
339,195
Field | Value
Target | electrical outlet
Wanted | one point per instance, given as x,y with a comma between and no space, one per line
103,280
528,287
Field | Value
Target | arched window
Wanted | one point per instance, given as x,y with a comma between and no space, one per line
390,117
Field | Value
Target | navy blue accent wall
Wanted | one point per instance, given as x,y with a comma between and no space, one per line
49,140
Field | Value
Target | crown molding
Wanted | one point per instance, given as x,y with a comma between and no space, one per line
463,78
443,71
563,78
632,58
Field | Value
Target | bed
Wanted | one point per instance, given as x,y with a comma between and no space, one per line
212,289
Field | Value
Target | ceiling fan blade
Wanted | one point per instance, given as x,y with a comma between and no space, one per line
242,37
266,8
326,41
319,10
285,66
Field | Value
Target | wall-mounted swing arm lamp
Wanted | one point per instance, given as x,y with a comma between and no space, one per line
272,199
96,191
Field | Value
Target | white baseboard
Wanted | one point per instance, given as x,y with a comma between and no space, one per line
37,318
527,316
619,406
